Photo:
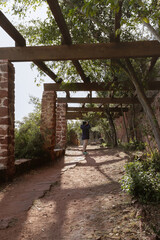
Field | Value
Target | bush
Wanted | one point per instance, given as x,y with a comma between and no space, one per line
28,139
134,145
142,178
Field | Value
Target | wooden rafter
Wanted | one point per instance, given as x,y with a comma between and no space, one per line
11,30
56,11
101,100
20,41
94,87
80,115
94,109
82,51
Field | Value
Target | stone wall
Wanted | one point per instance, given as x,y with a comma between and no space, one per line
61,125
7,98
142,129
48,120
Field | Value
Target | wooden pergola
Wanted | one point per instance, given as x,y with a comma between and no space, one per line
75,52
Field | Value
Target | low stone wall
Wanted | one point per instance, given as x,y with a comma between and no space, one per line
24,165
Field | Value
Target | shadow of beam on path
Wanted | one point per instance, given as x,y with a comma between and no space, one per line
62,198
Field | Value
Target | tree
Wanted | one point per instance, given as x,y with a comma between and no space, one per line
28,139
99,21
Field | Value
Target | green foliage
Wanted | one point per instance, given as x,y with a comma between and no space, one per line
89,21
73,130
134,145
142,178
28,139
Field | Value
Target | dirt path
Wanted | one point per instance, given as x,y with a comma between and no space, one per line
78,199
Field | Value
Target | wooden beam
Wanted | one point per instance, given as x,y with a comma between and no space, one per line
80,115
99,100
45,69
82,87
82,51
56,11
80,71
94,109
20,41
11,30
155,85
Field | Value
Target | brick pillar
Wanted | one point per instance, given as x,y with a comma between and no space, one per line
61,125
48,121
7,98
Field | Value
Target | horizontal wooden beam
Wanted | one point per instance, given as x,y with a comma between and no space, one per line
82,87
80,115
95,109
75,87
99,100
155,85
82,51
20,41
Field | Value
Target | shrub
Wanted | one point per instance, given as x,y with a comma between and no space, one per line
134,145
142,178
28,139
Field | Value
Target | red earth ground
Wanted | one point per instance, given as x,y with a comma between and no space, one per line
78,198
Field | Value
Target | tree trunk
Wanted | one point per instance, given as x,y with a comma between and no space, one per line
133,123
124,123
111,123
152,30
146,106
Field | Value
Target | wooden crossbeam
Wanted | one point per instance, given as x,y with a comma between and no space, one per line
80,116
94,109
82,51
100,100
81,87
155,85
20,41
56,11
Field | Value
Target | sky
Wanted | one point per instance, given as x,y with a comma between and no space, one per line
24,82
25,76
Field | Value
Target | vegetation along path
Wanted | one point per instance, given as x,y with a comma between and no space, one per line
79,198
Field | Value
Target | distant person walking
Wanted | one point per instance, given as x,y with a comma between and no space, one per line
85,135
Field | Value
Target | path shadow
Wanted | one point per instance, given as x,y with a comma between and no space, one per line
37,187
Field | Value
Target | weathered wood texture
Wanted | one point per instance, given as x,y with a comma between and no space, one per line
100,100
82,51
80,115
95,87
56,11
94,109
20,41
11,30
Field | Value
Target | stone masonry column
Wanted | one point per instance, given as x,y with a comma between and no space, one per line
7,98
61,125
48,121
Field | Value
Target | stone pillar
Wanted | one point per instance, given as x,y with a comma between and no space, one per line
61,125
48,121
7,98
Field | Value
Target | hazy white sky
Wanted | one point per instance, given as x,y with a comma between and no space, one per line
24,80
